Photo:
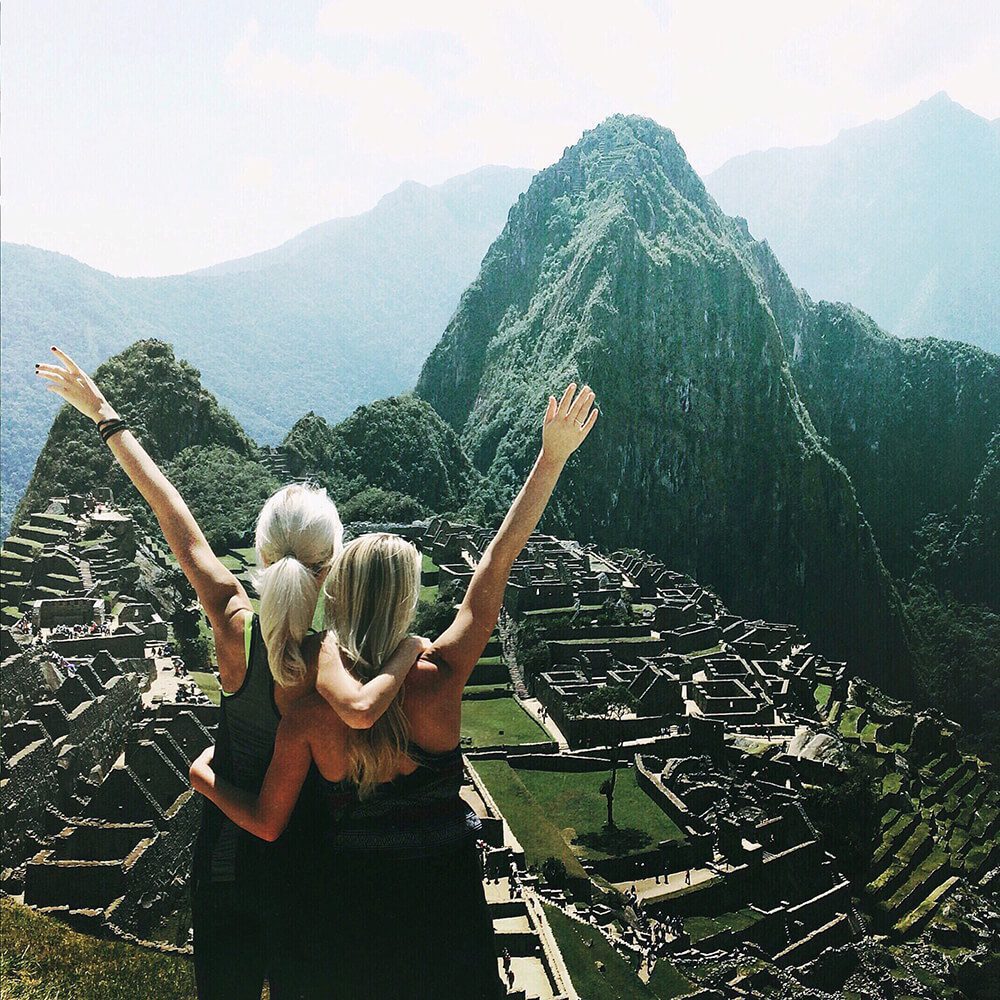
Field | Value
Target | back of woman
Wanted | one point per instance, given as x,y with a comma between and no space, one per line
394,889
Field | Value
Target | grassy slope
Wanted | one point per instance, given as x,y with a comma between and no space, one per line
43,960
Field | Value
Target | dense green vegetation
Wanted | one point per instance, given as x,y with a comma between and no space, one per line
617,268
959,648
847,815
162,400
424,470
44,960
224,490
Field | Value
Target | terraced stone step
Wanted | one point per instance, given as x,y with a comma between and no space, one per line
893,839
922,880
23,546
918,917
43,535
917,846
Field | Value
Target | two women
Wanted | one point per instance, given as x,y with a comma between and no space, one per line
378,891
237,886
398,907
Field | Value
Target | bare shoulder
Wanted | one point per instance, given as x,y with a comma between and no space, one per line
308,715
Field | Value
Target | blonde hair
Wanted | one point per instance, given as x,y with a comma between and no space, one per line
299,534
372,594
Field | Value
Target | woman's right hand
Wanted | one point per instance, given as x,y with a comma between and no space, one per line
567,423
71,382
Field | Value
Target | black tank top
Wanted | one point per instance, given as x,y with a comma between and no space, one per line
412,816
248,724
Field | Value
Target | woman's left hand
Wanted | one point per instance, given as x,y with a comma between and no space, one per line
71,382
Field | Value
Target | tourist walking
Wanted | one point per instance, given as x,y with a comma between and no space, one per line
398,905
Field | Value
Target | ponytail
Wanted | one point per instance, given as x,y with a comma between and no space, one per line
299,534
288,594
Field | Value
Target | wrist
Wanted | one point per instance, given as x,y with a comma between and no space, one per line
550,463
105,412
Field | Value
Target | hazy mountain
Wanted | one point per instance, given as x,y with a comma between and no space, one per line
618,268
901,218
343,314
225,477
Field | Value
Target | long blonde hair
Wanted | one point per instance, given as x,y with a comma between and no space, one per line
299,534
372,594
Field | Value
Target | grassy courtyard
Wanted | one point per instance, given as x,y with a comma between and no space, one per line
576,806
499,721
562,814
597,970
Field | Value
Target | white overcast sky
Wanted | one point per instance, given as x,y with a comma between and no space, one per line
156,136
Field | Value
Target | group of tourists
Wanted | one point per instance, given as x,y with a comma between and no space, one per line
336,857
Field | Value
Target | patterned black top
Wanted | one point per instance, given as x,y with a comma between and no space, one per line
413,816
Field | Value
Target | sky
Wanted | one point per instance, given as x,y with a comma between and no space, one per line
149,137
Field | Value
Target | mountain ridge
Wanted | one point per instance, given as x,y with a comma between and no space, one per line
895,216
617,260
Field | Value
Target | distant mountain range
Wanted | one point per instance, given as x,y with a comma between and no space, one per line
341,315
763,443
901,218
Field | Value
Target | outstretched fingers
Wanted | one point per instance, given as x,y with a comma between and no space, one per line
550,410
588,425
567,399
581,404
67,361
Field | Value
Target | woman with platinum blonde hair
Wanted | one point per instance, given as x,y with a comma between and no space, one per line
392,903
267,663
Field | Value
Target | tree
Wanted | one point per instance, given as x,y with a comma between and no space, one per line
610,703
847,815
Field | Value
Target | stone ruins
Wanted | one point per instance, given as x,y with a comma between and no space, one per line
714,876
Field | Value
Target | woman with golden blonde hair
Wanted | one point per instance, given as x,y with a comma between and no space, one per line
267,662
398,908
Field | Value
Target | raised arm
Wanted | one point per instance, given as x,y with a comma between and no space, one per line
220,593
565,427
265,815
361,705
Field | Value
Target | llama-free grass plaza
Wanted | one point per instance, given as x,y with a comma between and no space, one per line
493,721
540,805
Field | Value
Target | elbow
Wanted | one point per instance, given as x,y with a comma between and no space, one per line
360,718
269,833
358,713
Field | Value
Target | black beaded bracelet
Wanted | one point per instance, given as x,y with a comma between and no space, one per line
108,428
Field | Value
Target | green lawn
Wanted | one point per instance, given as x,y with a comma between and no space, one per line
208,683
849,721
427,564
582,948
574,803
429,594
667,982
822,695
539,838
499,721
44,960
702,927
